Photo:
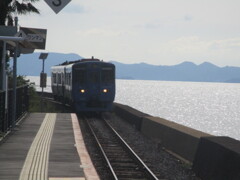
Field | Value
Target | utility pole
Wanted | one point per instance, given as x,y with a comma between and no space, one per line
14,78
3,67
5,83
43,77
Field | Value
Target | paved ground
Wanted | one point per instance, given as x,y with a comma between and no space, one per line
43,147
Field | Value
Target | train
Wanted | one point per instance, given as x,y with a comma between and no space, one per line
86,84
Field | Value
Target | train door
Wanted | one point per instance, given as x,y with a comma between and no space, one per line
94,83
58,84
64,84
108,83
79,82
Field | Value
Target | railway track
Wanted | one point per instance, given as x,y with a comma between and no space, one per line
55,102
122,162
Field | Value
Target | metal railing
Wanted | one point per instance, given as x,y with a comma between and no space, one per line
22,103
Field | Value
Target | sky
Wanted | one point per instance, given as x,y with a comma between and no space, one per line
159,32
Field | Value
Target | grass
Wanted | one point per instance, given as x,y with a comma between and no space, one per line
38,105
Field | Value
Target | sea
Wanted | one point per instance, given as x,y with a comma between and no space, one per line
213,108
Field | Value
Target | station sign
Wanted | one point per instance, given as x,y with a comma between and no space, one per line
34,38
43,80
57,5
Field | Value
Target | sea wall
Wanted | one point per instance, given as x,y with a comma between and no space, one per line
177,138
212,157
218,158
133,116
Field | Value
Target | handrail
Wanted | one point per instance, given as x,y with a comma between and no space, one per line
22,100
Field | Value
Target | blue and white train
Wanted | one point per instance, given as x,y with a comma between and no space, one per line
87,84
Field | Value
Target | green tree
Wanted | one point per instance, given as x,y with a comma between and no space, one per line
9,7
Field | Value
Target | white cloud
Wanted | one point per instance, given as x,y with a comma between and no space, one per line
101,32
154,31
74,8
196,49
188,17
232,43
194,44
190,45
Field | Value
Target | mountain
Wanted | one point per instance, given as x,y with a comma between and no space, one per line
186,71
31,65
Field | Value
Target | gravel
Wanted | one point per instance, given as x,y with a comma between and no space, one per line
162,163
96,158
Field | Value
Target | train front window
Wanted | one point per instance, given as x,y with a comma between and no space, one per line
80,76
107,76
94,77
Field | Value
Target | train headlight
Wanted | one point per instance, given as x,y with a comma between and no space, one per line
105,90
82,90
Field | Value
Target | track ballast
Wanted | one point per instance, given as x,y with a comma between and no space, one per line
121,161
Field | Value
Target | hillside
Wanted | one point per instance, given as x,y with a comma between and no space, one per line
31,65
186,71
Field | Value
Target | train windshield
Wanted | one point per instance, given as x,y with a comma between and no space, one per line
80,76
107,75
94,77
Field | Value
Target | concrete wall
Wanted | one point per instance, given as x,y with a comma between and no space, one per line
174,137
133,116
218,158
179,139
212,157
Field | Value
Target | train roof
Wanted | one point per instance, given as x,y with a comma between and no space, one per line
80,60
70,64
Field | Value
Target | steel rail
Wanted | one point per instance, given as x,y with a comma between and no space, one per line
140,162
56,102
102,151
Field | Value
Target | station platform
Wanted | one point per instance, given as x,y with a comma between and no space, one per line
46,146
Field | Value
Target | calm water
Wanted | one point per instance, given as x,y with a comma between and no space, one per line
213,108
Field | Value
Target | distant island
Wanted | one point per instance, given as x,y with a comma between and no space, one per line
31,65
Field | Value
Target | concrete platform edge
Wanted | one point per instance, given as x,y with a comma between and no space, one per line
86,163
